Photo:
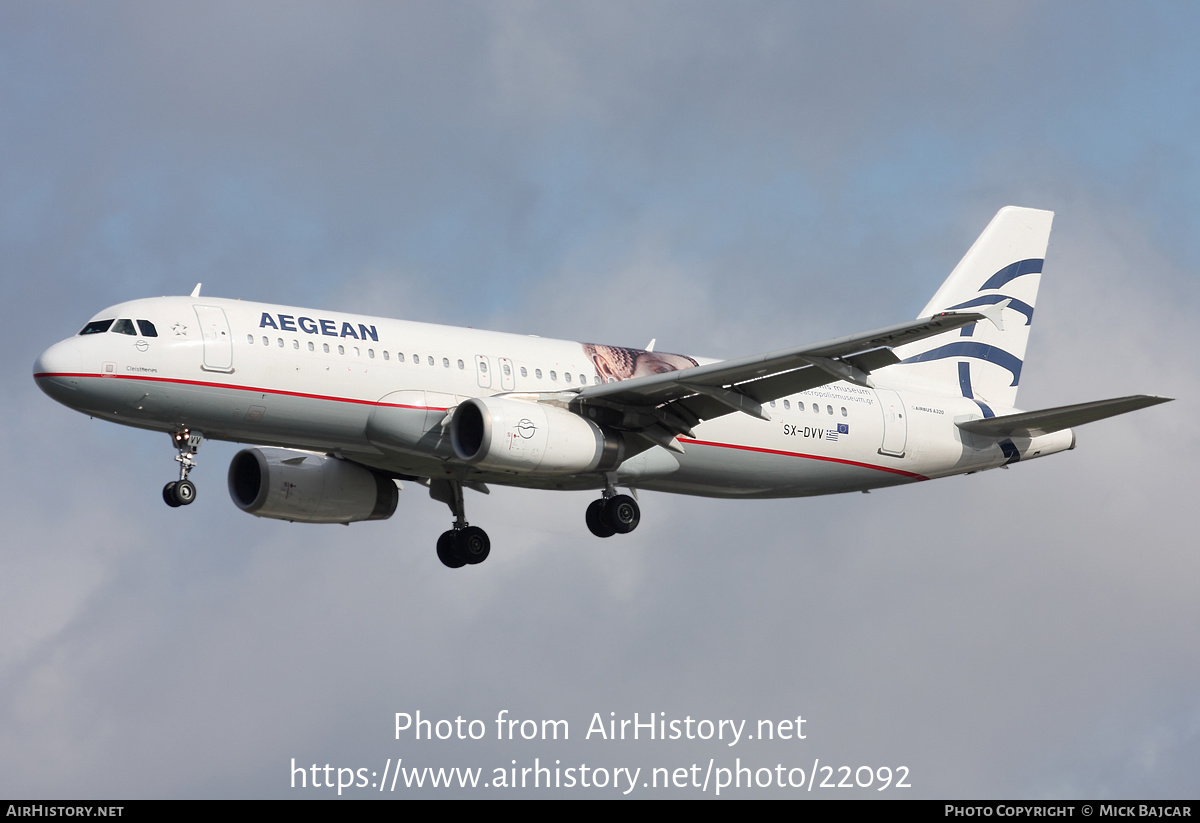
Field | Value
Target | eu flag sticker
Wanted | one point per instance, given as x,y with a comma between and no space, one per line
843,428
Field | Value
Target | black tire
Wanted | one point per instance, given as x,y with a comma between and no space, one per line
185,492
447,550
622,513
596,522
169,495
474,545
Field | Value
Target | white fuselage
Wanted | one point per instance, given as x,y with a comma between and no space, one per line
346,384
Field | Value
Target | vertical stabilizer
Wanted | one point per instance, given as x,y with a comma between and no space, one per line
998,277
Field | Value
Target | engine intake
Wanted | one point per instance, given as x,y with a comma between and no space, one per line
531,438
309,488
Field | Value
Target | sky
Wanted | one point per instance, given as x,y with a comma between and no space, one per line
726,178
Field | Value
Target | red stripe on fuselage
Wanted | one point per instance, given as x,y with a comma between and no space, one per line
781,453
209,384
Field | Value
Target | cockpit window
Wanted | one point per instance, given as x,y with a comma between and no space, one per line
97,327
147,328
124,326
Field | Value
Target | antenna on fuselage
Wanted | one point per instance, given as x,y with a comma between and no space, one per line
196,291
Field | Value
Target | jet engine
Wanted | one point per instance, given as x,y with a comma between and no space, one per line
308,488
531,438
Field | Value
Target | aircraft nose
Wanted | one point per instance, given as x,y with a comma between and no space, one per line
57,370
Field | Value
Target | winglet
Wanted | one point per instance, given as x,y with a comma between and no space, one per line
196,291
995,313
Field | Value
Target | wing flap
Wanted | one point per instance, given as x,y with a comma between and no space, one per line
793,382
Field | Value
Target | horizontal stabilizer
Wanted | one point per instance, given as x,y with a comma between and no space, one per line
1035,423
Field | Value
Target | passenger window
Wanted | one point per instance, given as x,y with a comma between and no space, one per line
445,362
799,405
311,347
523,372
553,375
829,409
787,404
431,359
250,339
295,345
461,365
371,354
325,346
537,373
281,342
399,357
147,328
483,365
843,411
96,327
124,326
266,342
416,359
341,349
507,370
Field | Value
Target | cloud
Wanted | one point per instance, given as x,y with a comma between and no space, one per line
727,181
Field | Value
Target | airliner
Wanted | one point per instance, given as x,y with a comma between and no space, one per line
341,408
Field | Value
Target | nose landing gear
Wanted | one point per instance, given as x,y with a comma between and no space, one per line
179,493
182,492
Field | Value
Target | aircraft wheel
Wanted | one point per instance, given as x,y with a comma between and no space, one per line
169,494
185,492
596,522
447,550
622,513
474,545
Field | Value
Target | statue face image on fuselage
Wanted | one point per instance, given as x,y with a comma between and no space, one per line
620,363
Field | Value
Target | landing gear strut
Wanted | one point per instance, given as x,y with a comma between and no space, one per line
613,514
463,545
182,492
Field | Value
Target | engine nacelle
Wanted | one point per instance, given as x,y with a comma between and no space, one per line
308,488
531,438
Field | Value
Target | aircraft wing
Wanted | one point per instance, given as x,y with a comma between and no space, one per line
660,406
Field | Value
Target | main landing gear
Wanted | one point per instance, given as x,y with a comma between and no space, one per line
613,514
463,545
182,492
466,545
